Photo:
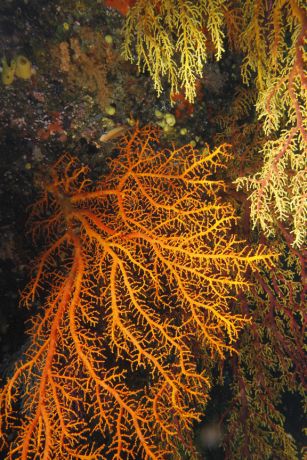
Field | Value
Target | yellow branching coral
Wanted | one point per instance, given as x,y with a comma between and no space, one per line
233,127
274,42
170,38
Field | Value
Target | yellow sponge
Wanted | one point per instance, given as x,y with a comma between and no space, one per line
23,67
8,71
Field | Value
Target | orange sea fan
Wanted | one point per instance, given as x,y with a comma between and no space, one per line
138,271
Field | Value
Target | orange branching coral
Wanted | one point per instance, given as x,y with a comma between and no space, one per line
138,271
87,59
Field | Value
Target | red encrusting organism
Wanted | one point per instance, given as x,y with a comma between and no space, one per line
122,6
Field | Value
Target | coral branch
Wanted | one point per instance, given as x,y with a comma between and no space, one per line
138,270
